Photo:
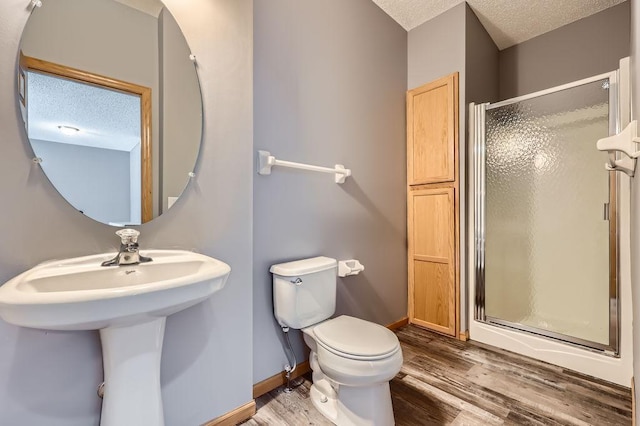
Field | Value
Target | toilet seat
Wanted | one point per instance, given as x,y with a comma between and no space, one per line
356,339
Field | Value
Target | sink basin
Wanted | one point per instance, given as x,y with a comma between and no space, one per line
128,305
79,294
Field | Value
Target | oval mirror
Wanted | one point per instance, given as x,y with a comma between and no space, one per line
111,103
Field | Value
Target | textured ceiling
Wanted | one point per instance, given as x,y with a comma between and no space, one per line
508,22
106,118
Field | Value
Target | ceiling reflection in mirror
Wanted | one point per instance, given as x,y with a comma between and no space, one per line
111,104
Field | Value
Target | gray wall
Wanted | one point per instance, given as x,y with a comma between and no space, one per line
51,377
330,81
117,41
106,169
590,46
181,110
635,195
481,62
435,49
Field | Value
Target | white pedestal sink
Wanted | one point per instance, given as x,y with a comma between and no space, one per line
128,304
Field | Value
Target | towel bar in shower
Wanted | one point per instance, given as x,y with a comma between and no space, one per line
266,161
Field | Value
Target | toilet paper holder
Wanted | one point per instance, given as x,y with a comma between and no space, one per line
349,267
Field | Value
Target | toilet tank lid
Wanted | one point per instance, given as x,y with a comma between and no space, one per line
304,266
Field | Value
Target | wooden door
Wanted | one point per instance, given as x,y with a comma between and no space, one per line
432,259
433,205
432,131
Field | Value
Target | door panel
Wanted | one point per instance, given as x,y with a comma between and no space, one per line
431,132
432,251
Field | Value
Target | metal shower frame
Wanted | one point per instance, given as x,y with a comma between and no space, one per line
479,195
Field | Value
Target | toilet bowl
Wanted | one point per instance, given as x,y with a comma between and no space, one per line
354,352
352,360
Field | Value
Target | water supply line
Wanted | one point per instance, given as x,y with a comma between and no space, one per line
291,367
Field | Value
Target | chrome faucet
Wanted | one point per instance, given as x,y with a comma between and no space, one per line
128,254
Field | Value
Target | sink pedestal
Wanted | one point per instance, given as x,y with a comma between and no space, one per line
129,306
131,358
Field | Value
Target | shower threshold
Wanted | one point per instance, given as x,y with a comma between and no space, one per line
596,347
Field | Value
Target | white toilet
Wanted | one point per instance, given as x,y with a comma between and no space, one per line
352,359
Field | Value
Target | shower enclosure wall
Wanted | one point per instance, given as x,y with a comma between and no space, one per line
546,224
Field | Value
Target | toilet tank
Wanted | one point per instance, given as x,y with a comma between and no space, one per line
304,291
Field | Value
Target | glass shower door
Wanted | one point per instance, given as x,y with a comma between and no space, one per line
548,216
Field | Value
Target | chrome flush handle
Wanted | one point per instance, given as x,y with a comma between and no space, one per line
297,281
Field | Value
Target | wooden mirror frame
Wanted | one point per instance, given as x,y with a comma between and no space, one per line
28,63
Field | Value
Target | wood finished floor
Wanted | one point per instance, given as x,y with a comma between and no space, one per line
448,382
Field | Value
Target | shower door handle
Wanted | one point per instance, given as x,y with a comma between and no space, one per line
606,211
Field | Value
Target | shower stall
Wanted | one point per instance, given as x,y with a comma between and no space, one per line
545,257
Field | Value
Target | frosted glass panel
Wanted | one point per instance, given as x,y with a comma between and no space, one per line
547,242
